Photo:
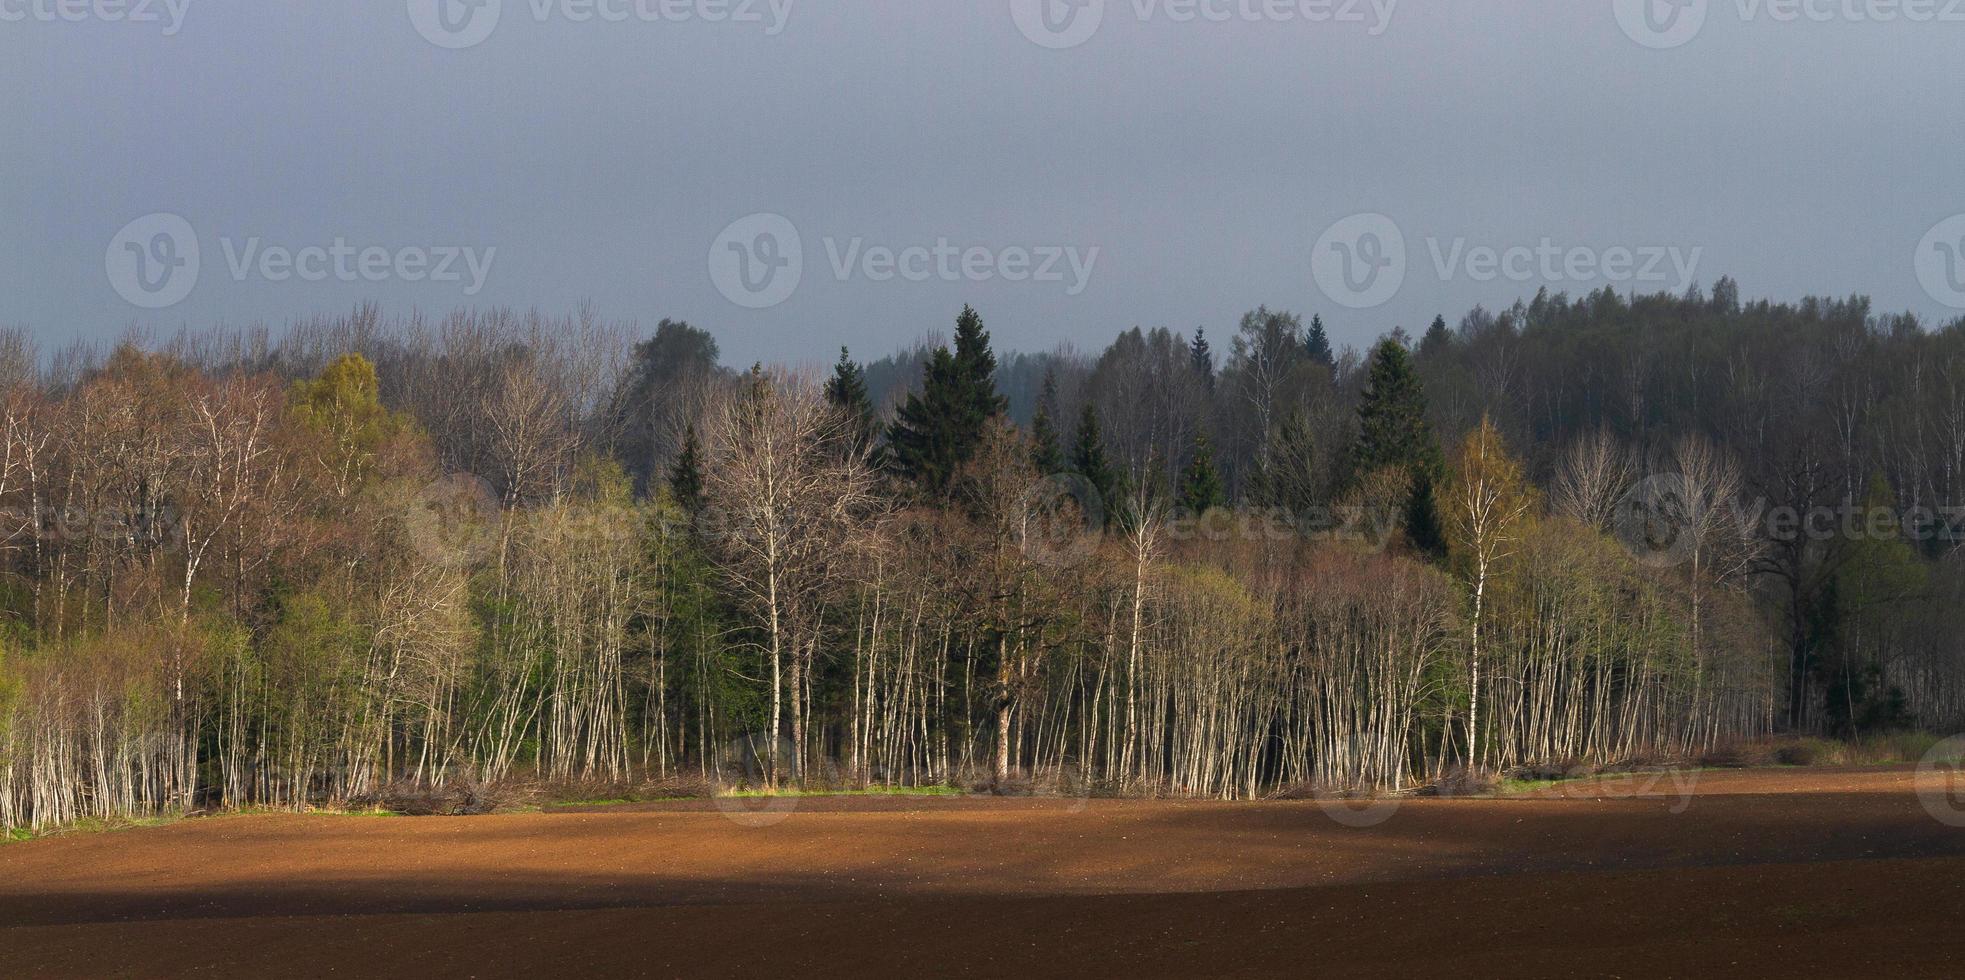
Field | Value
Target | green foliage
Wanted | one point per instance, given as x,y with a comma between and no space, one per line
846,390
343,406
1316,343
310,650
346,403
675,356
9,693
686,623
1879,579
1201,488
686,476
322,633
869,791
1425,529
1201,356
1492,501
1880,572
940,427
1045,452
1393,433
1437,339
1392,427
602,483
1089,460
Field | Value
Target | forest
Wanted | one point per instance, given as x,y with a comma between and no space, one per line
367,553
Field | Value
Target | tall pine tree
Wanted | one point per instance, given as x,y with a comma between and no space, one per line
1437,339
686,476
1045,453
1201,489
1393,433
940,427
847,391
1316,343
1088,459
1202,357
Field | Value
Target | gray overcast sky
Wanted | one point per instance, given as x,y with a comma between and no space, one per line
602,160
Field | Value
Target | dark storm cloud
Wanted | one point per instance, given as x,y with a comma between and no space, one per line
1070,168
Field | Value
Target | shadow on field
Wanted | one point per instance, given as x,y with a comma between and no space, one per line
1871,917
674,856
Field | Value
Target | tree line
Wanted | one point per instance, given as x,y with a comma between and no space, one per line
367,553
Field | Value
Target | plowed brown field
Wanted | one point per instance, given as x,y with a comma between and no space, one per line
1750,874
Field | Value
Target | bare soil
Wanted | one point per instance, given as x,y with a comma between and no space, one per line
1751,874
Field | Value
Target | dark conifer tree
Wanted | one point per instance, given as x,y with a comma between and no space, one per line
1437,339
1088,459
1201,489
1316,343
847,391
939,428
1392,426
1202,357
686,476
1393,433
636,414
976,366
1424,527
1045,452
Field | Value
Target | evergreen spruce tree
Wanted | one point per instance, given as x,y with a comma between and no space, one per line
1392,426
1393,433
1202,356
1201,488
1045,453
1088,459
686,476
1316,343
940,427
847,391
976,366
1424,527
1437,338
